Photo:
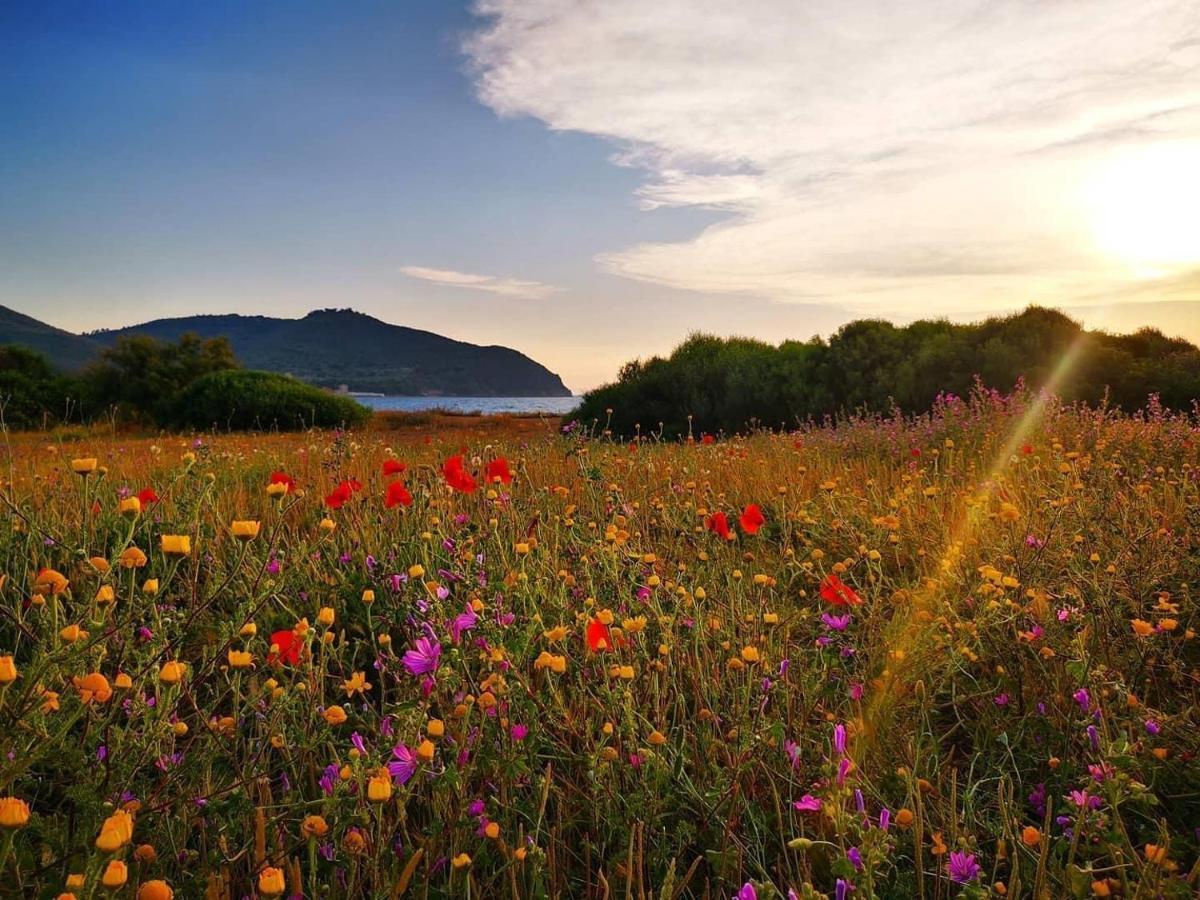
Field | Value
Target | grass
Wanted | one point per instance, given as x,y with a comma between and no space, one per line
957,658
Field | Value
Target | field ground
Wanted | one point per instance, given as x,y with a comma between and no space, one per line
951,655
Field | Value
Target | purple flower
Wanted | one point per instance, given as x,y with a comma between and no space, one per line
746,893
1083,698
357,740
885,819
835,623
404,766
329,779
839,739
962,867
423,658
855,858
519,732
1152,728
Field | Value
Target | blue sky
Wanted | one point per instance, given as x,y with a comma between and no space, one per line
590,181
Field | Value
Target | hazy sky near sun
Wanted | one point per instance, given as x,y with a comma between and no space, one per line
590,180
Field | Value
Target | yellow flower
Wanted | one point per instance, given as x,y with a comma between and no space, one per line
84,465
379,788
1141,627
270,882
116,832
314,826
172,672
93,687
132,558
130,506
416,570
150,586
461,861
325,616
105,595
492,830
8,670
176,544
115,874
425,750
1009,513
14,812
327,525
656,738
368,596
100,564
334,715
122,681
435,728
50,581
155,889
357,684
244,529
557,633
750,654
239,659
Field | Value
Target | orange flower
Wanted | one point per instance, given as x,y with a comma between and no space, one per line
93,686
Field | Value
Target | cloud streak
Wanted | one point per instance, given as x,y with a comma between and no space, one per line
934,153
506,287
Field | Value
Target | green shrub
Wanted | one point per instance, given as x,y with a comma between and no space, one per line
711,384
238,399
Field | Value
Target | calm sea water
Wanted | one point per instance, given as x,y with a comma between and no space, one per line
551,406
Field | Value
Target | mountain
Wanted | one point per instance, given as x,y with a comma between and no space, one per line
328,347
65,350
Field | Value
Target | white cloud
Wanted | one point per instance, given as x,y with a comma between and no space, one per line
931,153
506,287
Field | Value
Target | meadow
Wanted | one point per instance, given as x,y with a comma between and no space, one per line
935,656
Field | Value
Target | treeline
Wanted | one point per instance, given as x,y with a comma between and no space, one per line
736,383
142,381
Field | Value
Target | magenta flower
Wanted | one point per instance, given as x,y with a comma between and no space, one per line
808,803
464,621
962,867
403,767
423,658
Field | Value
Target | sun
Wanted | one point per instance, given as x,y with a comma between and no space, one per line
1144,207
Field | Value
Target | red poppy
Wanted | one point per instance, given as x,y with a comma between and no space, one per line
718,523
599,638
147,496
752,519
342,493
707,439
288,648
837,592
497,470
394,467
285,479
1027,449
458,477
397,495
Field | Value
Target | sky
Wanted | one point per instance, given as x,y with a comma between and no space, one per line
589,181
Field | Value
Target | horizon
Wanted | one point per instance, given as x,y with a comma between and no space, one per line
567,181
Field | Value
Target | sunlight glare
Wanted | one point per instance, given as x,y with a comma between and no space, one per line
1144,207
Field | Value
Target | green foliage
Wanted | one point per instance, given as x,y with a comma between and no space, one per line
715,384
143,377
32,394
192,383
244,399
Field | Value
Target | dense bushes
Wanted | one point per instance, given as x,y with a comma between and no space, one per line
242,399
732,384
143,381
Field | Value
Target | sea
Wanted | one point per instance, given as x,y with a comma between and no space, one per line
488,406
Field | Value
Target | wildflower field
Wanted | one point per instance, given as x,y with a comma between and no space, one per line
951,655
